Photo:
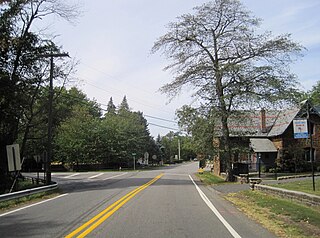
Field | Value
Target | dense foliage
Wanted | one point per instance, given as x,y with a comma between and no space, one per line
111,140
24,71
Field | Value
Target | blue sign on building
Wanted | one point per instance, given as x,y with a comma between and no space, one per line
300,129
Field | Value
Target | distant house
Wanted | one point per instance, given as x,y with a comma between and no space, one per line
260,137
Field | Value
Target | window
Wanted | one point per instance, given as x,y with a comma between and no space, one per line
307,154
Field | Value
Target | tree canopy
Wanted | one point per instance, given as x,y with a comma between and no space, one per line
315,94
86,137
23,72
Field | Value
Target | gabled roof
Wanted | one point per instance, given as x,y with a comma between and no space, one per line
262,145
248,123
283,121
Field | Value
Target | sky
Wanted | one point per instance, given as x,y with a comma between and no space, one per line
112,41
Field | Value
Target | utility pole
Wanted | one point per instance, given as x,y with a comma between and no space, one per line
50,119
179,149
311,145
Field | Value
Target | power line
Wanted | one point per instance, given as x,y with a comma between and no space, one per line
118,92
83,100
170,128
158,118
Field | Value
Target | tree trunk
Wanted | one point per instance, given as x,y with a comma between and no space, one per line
224,114
226,148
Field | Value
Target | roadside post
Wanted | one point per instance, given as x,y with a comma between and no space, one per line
302,129
134,160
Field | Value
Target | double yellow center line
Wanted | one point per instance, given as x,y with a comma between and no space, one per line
93,223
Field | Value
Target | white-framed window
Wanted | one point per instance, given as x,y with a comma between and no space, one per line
307,154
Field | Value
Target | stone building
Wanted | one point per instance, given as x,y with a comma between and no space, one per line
260,137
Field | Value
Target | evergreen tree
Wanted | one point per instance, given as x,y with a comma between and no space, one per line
111,109
124,106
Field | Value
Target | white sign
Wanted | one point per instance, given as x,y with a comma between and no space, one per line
13,155
300,129
37,158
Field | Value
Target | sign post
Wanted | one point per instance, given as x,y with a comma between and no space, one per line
311,146
37,158
300,130
134,161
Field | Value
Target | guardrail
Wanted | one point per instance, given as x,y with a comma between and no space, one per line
23,193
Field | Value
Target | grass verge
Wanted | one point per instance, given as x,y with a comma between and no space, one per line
283,217
16,203
210,179
302,186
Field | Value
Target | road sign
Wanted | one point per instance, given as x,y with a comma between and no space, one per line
37,158
13,156
300,129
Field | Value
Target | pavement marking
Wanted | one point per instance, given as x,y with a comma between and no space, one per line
72,175
35,204
215,211
105,214
115,176
95,176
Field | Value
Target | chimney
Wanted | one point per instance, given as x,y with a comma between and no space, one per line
263,120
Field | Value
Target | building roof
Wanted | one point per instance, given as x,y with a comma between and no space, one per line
283,121
248,123
260,145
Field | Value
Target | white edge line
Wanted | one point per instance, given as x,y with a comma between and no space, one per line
95,176
72,175
35,204
116,176
215,211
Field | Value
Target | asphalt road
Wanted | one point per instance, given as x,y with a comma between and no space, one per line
159,203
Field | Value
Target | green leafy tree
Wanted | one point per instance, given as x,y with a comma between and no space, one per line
22,71
200,127
65,102
125,132
77,138
230,64
169,147
315,94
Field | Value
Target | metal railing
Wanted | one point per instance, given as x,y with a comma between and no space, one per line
27,192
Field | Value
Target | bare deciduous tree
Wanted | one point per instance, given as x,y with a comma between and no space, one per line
220,53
